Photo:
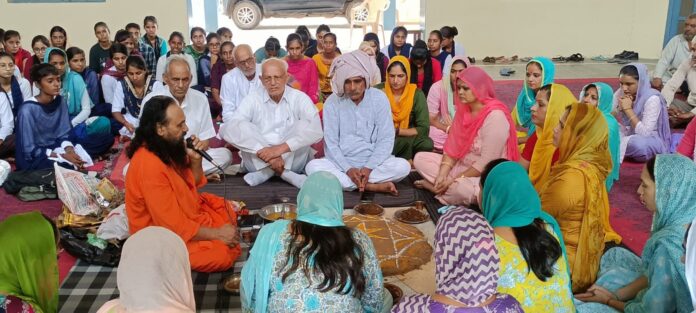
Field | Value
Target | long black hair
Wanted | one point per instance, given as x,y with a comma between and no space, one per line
380,58
539,248
420,52
154,114
335,254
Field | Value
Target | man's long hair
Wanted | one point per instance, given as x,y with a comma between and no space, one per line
171,152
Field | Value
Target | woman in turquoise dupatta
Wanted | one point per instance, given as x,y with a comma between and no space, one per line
602,96
268,287
93,133
28,263
656,282
509,202
522,112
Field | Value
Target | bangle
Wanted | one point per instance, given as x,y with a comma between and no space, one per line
447,130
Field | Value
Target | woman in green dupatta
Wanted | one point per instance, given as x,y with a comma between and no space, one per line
602,96
336,270
656,281
28,264
533,263
540,72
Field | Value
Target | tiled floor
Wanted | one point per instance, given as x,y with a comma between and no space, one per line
586,69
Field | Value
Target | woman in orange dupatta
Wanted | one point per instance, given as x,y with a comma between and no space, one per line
575,195
482,131
409,110
323,61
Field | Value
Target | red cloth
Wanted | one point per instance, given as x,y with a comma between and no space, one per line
686,145
465,127
437,74
21,58
528,151
157,195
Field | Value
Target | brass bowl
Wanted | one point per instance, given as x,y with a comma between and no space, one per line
232,283
273,212
369,208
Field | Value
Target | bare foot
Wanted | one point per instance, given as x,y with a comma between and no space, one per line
387,187
424,184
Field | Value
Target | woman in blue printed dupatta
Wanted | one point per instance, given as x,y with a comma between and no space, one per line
602,96
540,71
336,269
656,281
93,133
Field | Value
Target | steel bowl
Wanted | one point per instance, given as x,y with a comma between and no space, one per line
232,283
273,212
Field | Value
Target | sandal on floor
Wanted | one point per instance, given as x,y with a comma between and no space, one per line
525,59
560,59
489,60
506,71
577,57
600,58
472,60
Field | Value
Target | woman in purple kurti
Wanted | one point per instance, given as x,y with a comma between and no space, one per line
466,265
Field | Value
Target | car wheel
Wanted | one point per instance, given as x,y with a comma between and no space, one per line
246,14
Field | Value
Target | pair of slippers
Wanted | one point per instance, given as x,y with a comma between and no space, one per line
501,60
577,57
506,71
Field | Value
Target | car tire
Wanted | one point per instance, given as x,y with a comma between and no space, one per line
246,14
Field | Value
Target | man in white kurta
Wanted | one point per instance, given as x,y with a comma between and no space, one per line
358,130
273,128
177,76
239,82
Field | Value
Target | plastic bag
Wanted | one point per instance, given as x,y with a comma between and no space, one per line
75,189
115,225
74,241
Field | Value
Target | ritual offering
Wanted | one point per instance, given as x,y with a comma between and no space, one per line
368,208
400,248
232,283
411,216
273,212
395,292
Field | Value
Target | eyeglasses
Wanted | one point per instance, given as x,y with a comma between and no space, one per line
248,61
40,50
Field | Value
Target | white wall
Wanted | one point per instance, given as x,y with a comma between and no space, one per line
78,19
552,27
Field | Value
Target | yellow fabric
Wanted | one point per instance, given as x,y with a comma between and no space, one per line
401,111
540,164
517,280
323,68
576,195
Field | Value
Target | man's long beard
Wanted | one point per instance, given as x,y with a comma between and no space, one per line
171,152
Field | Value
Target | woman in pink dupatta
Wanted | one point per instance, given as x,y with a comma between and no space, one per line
303,71
441,100
482,131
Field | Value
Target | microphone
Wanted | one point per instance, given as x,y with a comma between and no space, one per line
205,155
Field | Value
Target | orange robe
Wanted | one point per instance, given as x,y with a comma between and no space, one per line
156,195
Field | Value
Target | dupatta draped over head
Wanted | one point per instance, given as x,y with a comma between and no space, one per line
540,164
28,263
154,274
508,199
675,199
522,113
583,146
466,126
320,202
605,103
447,107
401,111
466,259
645,92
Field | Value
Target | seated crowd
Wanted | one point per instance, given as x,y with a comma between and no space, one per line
526,223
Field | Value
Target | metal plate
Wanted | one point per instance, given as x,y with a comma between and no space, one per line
278,211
